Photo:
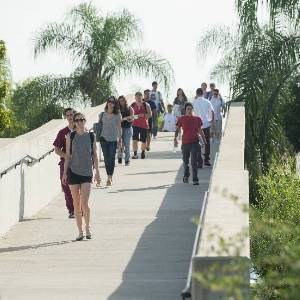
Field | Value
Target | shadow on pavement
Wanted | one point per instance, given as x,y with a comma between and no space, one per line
153,173
141,189
159,265
30,247
36,219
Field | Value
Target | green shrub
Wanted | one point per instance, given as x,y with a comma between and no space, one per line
275,234
5,118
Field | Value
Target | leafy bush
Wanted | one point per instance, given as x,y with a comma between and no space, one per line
5,118
275,234
34,103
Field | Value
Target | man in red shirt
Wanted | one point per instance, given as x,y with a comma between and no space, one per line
60,149
191,126
141,114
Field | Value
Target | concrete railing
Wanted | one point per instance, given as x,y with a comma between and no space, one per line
224,240
25,189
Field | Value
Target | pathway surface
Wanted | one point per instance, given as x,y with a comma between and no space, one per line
142,238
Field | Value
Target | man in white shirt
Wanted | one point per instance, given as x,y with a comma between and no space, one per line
216,127
169,122
204,109
156,97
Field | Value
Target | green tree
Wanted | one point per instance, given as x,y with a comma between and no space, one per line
260,71
290,113
39,100
275,228
261,60
100,48
248,11
5,88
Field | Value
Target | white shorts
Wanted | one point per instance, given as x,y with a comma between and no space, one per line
216,126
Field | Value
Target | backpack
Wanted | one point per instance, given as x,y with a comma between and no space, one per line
97,127
92,137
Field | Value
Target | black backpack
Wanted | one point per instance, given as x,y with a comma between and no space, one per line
92,137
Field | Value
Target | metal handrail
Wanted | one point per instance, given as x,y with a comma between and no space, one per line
27,160
186,293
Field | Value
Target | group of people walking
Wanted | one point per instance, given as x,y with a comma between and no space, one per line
121,122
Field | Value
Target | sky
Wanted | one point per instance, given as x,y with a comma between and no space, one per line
171,28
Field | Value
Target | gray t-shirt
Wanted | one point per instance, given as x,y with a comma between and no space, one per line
81,155
110,127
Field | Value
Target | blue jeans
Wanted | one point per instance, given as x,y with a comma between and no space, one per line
109,152
155,124
126,138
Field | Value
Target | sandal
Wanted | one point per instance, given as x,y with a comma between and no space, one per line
88,234
80,237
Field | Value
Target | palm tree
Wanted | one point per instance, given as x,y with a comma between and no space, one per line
100,49
260,71
276,9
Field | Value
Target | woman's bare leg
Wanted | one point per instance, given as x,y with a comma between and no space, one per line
75,191
85,191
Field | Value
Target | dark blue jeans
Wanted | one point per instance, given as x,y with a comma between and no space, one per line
109,152
190,150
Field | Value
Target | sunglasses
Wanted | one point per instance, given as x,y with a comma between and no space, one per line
111,101
79,120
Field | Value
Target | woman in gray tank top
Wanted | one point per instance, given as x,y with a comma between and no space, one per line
81,158
110,135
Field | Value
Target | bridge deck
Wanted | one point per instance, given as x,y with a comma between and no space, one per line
142,238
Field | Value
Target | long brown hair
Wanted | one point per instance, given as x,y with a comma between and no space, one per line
126,107
183,94
116,106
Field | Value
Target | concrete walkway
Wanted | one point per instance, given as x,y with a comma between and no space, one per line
142,238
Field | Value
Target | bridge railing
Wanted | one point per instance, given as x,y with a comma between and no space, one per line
29,172
224,216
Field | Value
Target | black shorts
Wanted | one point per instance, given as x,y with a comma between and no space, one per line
73,178
139,134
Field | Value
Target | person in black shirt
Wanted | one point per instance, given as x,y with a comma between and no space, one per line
127,118
150,120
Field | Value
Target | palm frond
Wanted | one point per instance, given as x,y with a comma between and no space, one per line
248,9
59,36
215,39
143,62
224,70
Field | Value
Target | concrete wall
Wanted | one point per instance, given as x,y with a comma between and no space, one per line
25,190
227,213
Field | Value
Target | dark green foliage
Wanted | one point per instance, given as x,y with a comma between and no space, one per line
35,102
5,87
291,116
5,118
262,65
275,234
